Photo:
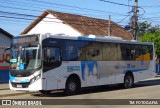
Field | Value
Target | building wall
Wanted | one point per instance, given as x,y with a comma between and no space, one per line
5,42
51,24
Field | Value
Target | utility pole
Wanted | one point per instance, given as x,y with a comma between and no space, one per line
135,20
109,26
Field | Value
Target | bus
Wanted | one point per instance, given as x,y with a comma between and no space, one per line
58,62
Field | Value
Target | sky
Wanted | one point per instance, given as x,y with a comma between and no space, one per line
16,15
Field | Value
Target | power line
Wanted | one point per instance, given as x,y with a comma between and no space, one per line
50,4
20,8
120,4
74,7
14,17
40,11
71,21
28,9
29,15
19,14
37,16
33,16
125,17
151,6
116,3
45,7
60,5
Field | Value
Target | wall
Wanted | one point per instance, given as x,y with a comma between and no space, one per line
52,25
4,67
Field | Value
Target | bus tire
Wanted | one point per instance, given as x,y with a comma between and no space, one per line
46,92
128,81
72,87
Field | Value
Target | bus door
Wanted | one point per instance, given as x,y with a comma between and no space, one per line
51,65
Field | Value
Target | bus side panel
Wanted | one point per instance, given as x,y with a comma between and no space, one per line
94,73
141,70
56,78
106,72
69,68
147,72
51,78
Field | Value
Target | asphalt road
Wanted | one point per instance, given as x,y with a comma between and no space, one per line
149,89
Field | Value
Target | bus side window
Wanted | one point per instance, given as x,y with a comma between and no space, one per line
126,51
147,52
51,58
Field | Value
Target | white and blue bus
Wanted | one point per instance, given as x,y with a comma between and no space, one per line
55,62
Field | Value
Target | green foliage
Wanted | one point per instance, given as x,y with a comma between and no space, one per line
149,33
153,37
144,26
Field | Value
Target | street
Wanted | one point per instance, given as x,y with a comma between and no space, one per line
149,89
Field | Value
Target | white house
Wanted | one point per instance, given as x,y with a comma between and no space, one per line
74,25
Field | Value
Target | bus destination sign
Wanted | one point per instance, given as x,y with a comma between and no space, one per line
25,39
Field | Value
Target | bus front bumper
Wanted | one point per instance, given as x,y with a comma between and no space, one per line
36,86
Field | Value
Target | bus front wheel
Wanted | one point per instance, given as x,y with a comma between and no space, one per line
128,81
72,87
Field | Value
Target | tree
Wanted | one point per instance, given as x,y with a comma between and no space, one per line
153,37
154,29
144,26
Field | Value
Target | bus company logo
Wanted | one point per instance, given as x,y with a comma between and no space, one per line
126,66
118,66
73,68
21,102
6,102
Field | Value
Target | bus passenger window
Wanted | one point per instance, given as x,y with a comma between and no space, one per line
52,58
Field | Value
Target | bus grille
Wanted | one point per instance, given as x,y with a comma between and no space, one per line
20,85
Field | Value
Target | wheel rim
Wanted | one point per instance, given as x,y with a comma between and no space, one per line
128,82
72,86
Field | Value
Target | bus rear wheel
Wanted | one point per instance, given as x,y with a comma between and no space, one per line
72,87
128,81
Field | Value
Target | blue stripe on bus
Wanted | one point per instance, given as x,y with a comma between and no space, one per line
90,65
12,79
135,70
86,38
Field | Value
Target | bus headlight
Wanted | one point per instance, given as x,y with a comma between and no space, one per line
35,78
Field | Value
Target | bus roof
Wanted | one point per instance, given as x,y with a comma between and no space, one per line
97,39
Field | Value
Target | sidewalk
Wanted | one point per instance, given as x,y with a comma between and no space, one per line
5,91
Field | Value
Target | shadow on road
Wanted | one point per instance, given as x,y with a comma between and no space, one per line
101,88
148,83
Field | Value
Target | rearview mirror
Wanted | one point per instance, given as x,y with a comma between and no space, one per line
7,56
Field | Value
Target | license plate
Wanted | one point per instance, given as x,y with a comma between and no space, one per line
19,86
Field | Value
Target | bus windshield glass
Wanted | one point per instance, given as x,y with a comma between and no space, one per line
25,54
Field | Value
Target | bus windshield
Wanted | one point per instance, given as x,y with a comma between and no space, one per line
25,57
